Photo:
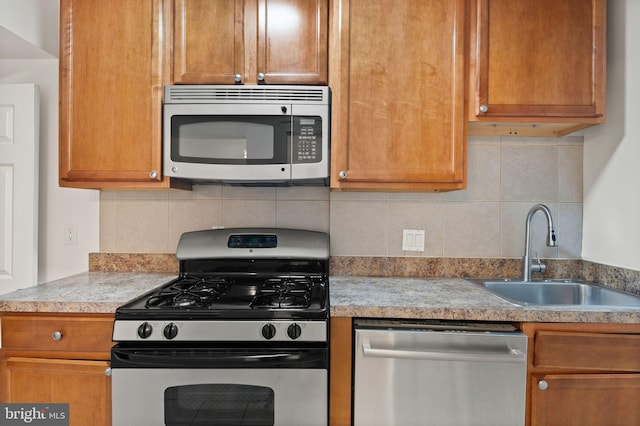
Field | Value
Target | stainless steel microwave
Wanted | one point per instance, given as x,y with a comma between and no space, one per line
249,135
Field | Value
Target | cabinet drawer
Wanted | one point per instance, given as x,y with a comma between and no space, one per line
57,334
587,351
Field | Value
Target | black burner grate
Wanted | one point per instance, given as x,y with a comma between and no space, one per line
224,293
189,292
283,293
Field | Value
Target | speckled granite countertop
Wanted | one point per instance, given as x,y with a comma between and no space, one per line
449,298
351,296
89,292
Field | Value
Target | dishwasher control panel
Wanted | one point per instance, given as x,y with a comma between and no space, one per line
436,325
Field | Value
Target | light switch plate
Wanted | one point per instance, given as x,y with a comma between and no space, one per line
413,239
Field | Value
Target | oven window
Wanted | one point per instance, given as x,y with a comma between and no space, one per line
230,139
218,404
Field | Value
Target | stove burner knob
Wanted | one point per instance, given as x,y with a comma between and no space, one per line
170,331
268,331
294,331
145,330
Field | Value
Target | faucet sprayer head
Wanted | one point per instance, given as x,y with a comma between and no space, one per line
551,237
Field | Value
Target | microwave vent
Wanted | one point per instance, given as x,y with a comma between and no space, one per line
246,94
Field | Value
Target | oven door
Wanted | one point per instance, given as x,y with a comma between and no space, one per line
197,386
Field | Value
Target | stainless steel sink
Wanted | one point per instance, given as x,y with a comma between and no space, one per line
560,293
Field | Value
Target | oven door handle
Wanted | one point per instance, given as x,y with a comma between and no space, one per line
185,358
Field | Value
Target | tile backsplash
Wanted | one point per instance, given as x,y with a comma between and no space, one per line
506,176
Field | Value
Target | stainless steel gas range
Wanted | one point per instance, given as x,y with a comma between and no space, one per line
240,337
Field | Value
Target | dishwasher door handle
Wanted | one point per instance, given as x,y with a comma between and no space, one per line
509,355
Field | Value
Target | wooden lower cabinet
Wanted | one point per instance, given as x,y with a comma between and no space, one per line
585,399
583,374
81,384
58,358
340,371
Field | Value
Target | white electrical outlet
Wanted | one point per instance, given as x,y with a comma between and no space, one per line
413,239
71,234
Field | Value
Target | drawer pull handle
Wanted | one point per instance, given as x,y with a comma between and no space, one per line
543,385
56,335
107,371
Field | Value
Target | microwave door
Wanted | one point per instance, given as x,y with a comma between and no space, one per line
232,144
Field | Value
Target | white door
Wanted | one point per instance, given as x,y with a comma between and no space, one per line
18,186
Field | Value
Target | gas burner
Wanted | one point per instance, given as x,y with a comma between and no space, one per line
189,292
280,301
287,284
186,300
283,293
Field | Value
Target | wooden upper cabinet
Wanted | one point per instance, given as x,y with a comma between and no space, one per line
397,74
250,41
208,41
537,61
112,72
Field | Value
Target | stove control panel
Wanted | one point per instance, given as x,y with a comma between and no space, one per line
227,330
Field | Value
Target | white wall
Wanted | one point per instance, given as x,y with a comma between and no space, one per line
611,221
37,22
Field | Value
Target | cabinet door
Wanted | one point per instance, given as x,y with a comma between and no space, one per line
540,58
292,41
81,384
585,399
398,100
252,41
208,41
111,82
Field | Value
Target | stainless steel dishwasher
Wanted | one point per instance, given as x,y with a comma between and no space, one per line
438,373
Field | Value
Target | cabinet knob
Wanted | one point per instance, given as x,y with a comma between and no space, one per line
484,108
56,335
107,371
342,174
260,76
543,385
153,174
237,78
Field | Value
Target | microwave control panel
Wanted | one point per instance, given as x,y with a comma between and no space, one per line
307,140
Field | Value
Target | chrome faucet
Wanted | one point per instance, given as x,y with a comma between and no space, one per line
527,265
